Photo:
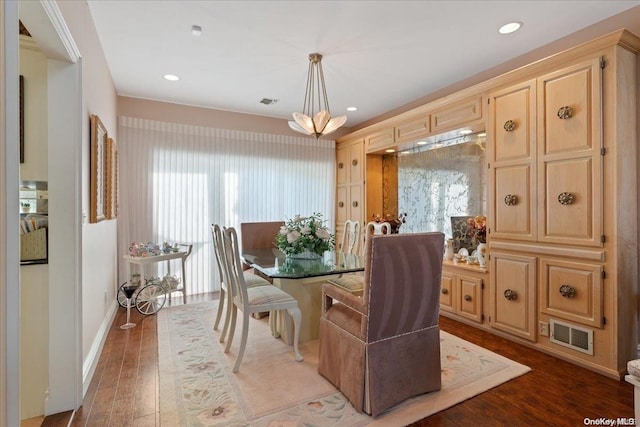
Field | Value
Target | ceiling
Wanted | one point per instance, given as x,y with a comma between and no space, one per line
378,55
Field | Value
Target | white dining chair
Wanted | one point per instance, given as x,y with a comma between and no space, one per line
351,237
253,299
226,295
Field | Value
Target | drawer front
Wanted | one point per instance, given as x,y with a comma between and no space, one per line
470,298
447,297
380,140
572,291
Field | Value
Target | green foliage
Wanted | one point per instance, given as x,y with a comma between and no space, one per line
305,233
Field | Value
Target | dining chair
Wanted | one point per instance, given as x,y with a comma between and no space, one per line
253,299
351,237
353,282
226,296
384,346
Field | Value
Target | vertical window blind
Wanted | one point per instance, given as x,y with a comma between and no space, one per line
176,180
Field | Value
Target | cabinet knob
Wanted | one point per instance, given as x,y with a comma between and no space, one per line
567,291
565,113
354,204
467,298
341,204
509,125
566,198
510,200
340,165
510,295
354,162
444,291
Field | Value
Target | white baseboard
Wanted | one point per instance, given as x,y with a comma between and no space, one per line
90,363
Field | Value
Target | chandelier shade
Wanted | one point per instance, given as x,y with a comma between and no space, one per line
315,118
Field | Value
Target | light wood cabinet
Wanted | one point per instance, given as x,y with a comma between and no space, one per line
459,114
350,164
412,129
569,152
462,289
512,213
380,140
513,294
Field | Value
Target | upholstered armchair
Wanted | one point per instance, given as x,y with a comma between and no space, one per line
384,347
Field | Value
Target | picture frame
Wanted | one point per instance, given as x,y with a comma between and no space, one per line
98,170
111,193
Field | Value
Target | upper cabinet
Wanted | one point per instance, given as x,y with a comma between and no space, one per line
464,113
349,184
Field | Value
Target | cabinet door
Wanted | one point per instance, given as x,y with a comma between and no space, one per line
461,114
569,155
342,203
356,192
342,165
356,163
512,160
572,290
469,295
512,294
412,129
380,140
447,292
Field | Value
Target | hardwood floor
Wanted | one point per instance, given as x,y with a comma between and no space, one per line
124,389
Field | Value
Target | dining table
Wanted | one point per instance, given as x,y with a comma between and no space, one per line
303,280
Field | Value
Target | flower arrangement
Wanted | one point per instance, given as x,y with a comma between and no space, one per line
478,228
305,234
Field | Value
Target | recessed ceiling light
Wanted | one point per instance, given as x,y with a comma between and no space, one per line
510,27
482,134
196,30
389,150
421,143
352,108
171,77
465,131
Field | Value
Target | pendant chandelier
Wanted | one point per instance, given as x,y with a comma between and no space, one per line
315,118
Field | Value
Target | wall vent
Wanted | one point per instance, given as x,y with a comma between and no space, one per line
575,337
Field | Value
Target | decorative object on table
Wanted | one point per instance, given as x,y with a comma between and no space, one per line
449,250
310,121
478,232
394,222
305,237
139,249
460,234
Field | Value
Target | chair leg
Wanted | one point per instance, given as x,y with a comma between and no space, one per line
232,327
243,341
225,328
220,308
273,323
297,320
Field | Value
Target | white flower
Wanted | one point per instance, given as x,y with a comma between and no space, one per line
323,233
298,219
305,230
284,230
293,236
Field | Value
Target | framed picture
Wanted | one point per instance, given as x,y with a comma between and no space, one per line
98,173
112,180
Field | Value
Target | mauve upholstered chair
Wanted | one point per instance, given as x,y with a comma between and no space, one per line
384,347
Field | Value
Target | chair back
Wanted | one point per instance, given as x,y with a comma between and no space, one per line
402,283
216,234
374,229
234,267
351,237
259,235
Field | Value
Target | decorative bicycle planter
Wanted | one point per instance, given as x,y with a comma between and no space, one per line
149,297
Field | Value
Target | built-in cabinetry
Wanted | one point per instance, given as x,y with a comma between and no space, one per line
350,169
562,201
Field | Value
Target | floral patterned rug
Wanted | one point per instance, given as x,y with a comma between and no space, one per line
197,387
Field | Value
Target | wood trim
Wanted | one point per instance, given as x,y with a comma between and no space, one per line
587,254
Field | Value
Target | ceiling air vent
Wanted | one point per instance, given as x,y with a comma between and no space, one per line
579,339
268,101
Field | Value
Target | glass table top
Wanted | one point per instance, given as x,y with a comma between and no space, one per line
274,264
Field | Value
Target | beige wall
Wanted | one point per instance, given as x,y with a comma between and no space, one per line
99,259
198,116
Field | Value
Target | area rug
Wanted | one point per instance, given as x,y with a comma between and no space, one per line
197,387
